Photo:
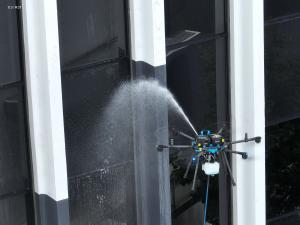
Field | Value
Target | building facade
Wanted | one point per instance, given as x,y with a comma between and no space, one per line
66,159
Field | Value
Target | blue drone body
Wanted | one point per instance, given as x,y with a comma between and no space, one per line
209,149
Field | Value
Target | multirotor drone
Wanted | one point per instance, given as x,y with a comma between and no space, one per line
208,149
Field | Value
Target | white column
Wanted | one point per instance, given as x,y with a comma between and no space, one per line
247,108
147,31
148,54
43,79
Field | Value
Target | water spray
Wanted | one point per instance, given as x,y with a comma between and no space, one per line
209,149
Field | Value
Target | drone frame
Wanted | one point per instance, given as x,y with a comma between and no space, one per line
224,159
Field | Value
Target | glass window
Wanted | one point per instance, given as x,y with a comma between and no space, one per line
86,94
278,8
13,164
91,31
100,164
9,44
16,202
282,68
196,75
13,211
189,20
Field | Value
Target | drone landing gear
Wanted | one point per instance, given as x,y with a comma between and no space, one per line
209,150
226,164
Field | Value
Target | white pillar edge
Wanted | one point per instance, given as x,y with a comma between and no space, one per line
43,80
248,109
147,31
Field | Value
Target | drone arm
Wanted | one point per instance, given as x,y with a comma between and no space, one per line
243,154
222,129
183,134
186,135
246,139
188,169
162,147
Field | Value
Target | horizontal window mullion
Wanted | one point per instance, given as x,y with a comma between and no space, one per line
197,41
11,84
13,194
92,64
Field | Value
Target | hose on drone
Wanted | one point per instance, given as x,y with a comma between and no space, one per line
206,201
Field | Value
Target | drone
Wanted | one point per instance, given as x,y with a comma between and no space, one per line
208,149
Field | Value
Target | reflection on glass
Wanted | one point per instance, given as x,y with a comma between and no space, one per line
192,78
100,163
282,82
13,168
278,8
13,211
187,20
9,44
91,31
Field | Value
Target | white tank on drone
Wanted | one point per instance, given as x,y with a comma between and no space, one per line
211,168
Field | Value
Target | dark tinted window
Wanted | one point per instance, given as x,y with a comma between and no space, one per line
186,20
94,64
282,82
191,73
15,186
196,75
91,31
9,44
278,8
197,78
86,94
13,165
13,210
282,71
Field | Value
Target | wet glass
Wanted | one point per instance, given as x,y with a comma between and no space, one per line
100,163
95,63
